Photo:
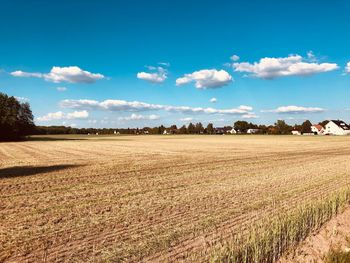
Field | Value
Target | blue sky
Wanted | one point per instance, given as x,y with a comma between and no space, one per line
145,63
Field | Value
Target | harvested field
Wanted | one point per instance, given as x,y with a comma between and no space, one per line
155,198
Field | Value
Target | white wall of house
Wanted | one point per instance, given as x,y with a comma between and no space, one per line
296,132
334,129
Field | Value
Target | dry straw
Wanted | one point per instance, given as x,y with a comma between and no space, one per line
266,242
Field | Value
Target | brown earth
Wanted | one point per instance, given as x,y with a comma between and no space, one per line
154,198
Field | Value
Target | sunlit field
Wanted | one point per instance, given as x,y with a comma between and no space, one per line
162,198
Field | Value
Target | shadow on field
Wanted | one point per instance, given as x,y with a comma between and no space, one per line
18,171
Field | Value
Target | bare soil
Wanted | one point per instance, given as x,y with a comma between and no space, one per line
154,198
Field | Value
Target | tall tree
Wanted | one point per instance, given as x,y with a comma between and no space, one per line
191,129
282,127
199,128
16,119
306,127
183,129
210,128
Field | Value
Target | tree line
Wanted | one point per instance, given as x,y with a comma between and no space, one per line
280,127
16,122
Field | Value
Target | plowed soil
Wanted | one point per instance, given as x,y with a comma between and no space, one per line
154,198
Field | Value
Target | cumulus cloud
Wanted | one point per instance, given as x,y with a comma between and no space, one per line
213,100
59,115
347,68
136,106
61,89
159,74
293,65
206,79
135,117
72,74
296,109
234,58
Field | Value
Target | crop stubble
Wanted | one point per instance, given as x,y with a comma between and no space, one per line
155,198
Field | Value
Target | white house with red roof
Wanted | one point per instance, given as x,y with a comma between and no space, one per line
317,129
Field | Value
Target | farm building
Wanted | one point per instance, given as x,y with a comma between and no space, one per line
337,127
317,129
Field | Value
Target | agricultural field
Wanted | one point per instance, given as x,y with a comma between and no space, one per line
161,198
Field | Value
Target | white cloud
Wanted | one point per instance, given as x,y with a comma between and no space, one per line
122,105
59,115
347,68
293,65
206,78
296,109
311,57
213,100
22,99
250,115
134,117
188,119
78,115
155,77
72,74
234,58
20,73
165,64
61,89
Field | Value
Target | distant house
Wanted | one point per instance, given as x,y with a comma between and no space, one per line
223,130
337,127
232,131
166,132
317,129
219,130
252,131
295,132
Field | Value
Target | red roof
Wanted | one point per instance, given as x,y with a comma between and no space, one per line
318,127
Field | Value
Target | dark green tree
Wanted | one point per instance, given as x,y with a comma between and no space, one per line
16,119
306,127
183,129
281,127
210,128
199,128
241,126
191,129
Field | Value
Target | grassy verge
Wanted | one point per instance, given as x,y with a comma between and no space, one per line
267,242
